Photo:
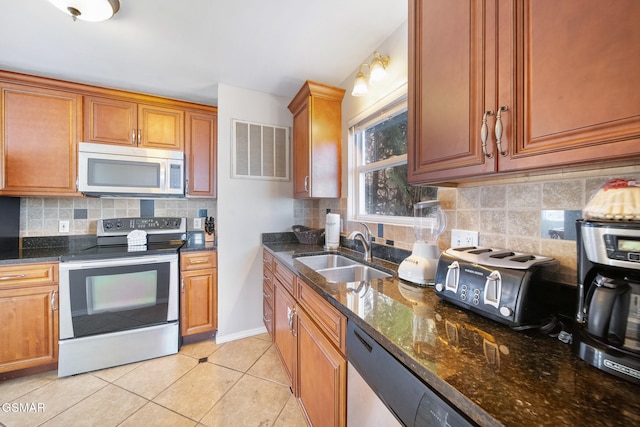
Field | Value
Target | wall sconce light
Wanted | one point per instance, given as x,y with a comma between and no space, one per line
376,71
88,10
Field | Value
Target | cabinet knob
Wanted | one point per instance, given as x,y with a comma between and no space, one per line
484,133
499,130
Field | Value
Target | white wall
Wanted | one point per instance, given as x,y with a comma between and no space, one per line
246,208
396,47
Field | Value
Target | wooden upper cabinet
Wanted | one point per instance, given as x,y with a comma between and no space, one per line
122,122
317,141
40,128
452,57
201,153
547,94
573,93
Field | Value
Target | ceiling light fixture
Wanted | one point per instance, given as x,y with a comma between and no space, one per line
88,10
376,71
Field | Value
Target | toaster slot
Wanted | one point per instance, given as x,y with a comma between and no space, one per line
523,258
481,251
502,255
493,289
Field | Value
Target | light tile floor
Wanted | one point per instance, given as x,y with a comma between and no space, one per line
241,383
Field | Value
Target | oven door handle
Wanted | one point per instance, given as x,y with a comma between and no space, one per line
75,265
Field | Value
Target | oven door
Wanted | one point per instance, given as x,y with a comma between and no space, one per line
118,294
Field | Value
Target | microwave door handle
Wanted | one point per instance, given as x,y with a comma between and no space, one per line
164,172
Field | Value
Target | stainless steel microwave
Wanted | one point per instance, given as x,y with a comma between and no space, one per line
112,170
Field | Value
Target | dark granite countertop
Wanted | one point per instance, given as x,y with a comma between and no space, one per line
495,375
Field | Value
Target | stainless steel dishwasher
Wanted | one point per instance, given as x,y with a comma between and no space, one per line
381,391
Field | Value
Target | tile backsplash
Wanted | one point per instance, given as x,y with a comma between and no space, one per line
39,216
507,213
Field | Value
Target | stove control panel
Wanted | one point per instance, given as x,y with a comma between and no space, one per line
152,225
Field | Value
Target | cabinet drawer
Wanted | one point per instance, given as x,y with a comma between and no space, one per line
28,274
198,260
329,319
267,317
267,259
286,277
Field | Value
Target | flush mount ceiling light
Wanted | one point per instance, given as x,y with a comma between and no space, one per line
376,71
88,10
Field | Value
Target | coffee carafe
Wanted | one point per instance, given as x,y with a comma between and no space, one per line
608,311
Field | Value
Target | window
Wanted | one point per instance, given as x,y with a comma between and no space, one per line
379,160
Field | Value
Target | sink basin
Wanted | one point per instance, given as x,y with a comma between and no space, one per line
320,262
352,273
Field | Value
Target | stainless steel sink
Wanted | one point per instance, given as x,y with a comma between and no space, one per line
352,273
319,262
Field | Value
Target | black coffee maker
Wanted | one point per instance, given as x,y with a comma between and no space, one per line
608,313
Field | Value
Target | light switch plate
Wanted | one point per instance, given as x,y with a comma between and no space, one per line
63,226
463,238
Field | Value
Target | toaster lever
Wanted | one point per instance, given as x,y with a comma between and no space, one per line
453,277
493,289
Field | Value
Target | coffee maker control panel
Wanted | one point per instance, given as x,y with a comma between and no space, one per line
616,245
622,247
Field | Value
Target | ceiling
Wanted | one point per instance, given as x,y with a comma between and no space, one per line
184,48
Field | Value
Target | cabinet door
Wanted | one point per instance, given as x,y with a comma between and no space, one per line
326,148
572,86
284,331
201,153
301,156
322,376
160,127
199,296
28,327
40,129
452,75
110,121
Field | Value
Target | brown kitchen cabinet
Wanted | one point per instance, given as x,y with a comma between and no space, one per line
201,136
198,293
129,122
28,316
551,95
309,334
322,366
317,136
40,128
267,291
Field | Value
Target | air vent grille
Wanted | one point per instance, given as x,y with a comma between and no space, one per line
260,151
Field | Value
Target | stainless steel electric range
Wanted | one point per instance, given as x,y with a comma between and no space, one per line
119,299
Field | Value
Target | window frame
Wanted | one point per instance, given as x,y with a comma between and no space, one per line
392,104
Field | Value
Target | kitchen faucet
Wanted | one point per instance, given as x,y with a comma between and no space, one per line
366,240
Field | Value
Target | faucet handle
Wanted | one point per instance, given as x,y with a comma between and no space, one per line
367,232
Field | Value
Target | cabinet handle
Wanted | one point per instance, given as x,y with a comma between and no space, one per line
484,133
294,329
499,130
306,183
14,276
54,300
199,261
186,186
182,285
139,138
133,136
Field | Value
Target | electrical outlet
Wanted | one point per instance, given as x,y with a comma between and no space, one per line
197,223
463,238
63,226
